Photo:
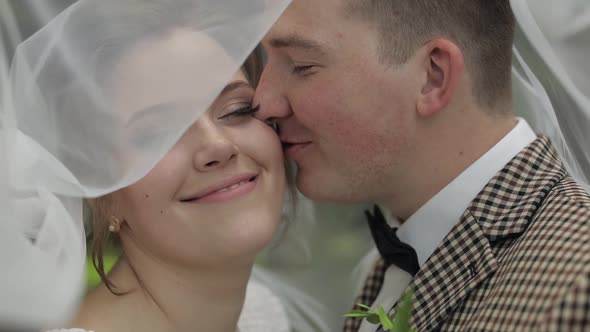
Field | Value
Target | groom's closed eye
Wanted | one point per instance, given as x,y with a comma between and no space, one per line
303,71
304,54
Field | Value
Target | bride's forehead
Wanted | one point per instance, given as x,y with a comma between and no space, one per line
182,64
179,46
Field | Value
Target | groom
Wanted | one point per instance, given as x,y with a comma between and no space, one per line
407,103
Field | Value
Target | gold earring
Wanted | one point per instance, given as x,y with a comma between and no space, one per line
115,225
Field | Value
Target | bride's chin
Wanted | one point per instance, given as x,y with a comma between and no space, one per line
251,241
251,244
234,238
238,245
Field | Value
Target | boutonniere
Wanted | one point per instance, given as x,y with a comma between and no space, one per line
401,323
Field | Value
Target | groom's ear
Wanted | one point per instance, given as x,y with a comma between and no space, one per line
444,67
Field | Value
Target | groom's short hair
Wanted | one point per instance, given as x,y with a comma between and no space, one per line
483,29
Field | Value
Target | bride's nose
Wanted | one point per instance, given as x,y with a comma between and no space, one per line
214,149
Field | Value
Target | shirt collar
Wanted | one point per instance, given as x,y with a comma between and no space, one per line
428,226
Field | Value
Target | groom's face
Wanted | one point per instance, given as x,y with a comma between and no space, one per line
345,116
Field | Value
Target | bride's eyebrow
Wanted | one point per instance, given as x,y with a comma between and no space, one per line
157,110
234,86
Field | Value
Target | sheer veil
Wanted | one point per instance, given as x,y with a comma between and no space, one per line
63,139
51,85
551,76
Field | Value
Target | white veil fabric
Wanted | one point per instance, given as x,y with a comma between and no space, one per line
312,265
63,139
551,76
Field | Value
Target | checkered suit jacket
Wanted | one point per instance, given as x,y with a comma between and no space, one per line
518,259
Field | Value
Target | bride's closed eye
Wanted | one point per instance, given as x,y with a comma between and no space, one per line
241,112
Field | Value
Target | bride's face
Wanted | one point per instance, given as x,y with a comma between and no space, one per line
216,196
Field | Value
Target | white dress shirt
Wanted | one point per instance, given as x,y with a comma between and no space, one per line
428,226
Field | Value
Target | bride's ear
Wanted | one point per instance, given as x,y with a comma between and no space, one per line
98,209
444,66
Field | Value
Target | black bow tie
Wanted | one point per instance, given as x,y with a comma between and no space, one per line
389,245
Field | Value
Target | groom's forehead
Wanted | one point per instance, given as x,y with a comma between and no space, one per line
312,13
305,25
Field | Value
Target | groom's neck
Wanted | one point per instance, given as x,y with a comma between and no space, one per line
445,148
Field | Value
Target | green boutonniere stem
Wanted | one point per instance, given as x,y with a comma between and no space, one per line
401,323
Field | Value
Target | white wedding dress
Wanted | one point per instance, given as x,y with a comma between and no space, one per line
262,312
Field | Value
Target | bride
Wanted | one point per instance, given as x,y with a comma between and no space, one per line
191,228
121,99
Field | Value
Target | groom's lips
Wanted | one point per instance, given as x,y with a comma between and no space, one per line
293,150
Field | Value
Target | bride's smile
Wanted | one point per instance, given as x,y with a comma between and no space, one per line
236,186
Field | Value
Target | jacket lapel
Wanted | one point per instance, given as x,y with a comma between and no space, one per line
465,258
461,262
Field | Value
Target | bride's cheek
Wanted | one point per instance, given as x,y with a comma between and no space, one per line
262,145
270,143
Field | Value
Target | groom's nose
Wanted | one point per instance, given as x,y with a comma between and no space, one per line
270,95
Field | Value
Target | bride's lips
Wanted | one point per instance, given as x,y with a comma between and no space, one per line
293,150
225,190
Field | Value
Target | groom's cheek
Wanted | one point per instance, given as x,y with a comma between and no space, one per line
320,105
325,111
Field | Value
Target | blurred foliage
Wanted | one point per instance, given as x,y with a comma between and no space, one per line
112,251
92,277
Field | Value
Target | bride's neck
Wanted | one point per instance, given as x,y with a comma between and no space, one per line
207,298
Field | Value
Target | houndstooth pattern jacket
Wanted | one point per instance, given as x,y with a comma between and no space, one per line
518,260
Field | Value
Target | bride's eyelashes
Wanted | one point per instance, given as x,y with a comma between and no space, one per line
241,112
